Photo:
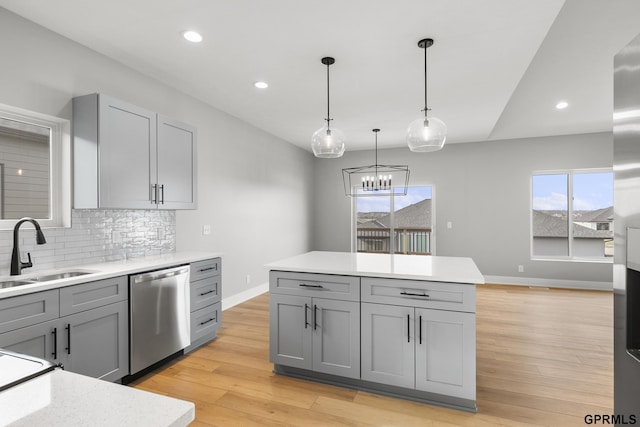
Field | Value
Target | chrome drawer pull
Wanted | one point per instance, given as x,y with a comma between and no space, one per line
304,285
207,293
414,295
207,321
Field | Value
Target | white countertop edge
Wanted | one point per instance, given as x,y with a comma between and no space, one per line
62,398
106,270
454,269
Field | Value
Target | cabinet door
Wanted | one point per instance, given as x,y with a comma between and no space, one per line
96,342
336,337
388,349
290,331
127,155
177,171
38,340
446,353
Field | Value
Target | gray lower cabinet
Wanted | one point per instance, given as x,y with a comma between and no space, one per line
92,339
319,334
312,332
206,307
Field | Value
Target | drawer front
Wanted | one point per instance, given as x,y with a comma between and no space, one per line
205,292
77,298
205,321
346,288
424,294
26,310
206,268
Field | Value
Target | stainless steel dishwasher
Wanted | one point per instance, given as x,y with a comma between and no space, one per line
159,315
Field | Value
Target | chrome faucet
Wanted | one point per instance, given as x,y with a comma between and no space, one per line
16,263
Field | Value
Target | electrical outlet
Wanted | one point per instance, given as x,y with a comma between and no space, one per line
449,224
206,230
161,234
116,236
248,279
521,269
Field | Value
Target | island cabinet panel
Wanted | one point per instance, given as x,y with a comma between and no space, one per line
346,288
438,295
446,353
321,334
388,353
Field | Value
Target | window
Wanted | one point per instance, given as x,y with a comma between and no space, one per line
400,224
34,168
572,214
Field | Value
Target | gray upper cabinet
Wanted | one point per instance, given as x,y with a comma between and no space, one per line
127,157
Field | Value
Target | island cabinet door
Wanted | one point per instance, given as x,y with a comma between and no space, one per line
446,353
96,342
290,331
388,348
336,337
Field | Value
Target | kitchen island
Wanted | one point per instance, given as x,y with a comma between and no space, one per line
399,325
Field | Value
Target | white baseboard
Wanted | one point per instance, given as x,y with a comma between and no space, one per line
549,283
244,296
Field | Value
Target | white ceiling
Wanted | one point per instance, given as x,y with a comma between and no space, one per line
496,70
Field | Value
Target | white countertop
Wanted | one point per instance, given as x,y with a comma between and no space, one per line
62,398
416,267
105,270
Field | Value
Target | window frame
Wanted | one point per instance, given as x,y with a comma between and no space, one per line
570,199
354,220
60,165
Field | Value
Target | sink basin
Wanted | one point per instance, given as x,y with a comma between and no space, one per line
57,276
12,283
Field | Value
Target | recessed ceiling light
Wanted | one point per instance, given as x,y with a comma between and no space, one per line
192,36
562,105
261,85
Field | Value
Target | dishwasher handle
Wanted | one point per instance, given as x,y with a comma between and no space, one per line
161,274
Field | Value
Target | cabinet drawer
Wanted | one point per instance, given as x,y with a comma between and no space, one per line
204,292
205,322
206,268
345,288
424,294
74,299
27,310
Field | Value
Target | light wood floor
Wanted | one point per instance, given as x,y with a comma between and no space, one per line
544,358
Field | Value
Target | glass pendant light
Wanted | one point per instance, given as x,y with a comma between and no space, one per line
328,142
427,133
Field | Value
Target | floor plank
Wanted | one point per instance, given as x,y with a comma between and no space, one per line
544,358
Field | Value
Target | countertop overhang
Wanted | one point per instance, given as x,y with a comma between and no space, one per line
412,267
105,270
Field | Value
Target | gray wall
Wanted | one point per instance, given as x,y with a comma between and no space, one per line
484,190
254,189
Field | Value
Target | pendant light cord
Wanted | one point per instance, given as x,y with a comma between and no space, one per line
425,82
328,99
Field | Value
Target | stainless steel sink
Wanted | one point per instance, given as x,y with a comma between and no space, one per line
39,279
12,283
57,276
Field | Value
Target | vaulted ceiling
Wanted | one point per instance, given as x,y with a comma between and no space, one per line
496,70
